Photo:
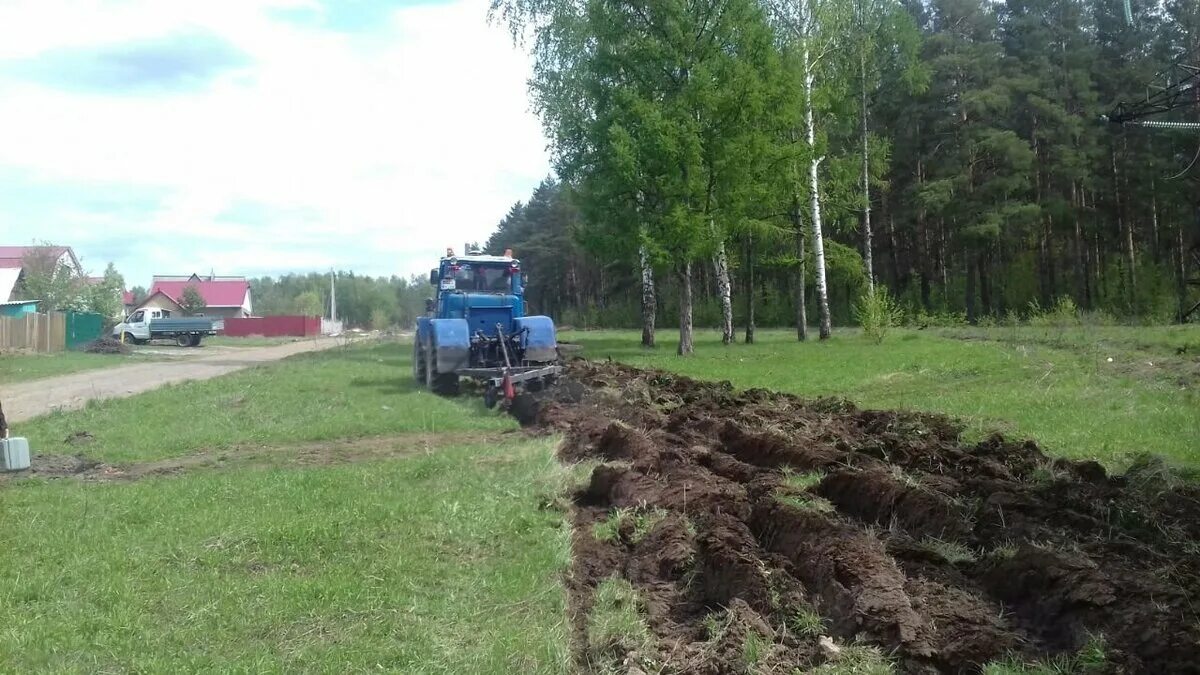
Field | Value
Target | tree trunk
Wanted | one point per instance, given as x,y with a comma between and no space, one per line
725,290
868,256
1077,249
925,248
749,289
685,309
1181,279
814,181
972,317
985,283
649,301
1126,227
801,309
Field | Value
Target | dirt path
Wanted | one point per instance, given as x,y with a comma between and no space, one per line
24,400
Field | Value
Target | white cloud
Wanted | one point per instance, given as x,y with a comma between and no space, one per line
392,144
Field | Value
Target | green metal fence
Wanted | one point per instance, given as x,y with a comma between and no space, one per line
82,328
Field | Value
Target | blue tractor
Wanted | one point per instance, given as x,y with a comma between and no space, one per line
477,328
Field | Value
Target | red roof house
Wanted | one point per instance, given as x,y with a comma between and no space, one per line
225,297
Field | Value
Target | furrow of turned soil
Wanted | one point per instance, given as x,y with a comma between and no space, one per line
766,533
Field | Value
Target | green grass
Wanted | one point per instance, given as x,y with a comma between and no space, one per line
443,561
1071,400
616,624
643,521
336,393
24,367
440,563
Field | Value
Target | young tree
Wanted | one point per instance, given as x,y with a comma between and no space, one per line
308,303
191,301
105,297
56,286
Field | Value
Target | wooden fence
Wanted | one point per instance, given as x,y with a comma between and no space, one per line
34,333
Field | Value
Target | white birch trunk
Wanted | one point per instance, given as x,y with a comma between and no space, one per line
649,302
868,255
813,178
725,291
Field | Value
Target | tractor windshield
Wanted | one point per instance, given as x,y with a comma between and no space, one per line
487,278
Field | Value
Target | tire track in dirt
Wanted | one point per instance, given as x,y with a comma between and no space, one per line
745,510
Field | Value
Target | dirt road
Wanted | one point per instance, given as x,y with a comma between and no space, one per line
24,400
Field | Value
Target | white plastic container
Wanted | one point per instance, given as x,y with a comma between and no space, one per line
14,454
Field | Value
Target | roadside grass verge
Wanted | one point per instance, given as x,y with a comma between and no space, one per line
24,367
333,394
1071,400
439,563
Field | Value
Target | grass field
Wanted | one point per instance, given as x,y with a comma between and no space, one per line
1056,386
423,557
23,367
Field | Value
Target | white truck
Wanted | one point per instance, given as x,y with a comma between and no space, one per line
152,323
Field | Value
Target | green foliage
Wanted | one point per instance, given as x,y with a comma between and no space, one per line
877,313
191,301
105,296
641,519
379,319
401,300
55,285
308,303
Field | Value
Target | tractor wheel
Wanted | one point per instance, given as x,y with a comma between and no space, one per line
445,384
491,396
428,363
418,363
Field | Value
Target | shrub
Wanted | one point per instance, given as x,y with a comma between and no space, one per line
877,313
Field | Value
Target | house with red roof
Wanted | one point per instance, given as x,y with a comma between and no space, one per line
224,297
14,260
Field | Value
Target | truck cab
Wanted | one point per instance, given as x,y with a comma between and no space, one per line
136,326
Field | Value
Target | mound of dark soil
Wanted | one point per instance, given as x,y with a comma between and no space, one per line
107,345
886,525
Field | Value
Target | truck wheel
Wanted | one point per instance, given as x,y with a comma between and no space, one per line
195,341
183,340
128,338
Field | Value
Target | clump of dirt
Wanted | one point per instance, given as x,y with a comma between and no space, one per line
790,527
107,345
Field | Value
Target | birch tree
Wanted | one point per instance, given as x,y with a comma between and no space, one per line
813,28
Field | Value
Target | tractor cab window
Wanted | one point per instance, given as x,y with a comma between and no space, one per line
487,278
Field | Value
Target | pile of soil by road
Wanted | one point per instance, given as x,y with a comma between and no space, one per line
107,345
947,555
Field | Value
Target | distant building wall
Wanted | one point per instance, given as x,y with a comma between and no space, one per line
274,326
18,308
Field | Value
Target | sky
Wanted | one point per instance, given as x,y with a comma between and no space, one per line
260,137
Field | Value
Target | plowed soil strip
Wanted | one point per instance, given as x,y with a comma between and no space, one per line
760,531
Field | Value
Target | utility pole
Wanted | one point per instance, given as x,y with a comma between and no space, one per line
332,295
